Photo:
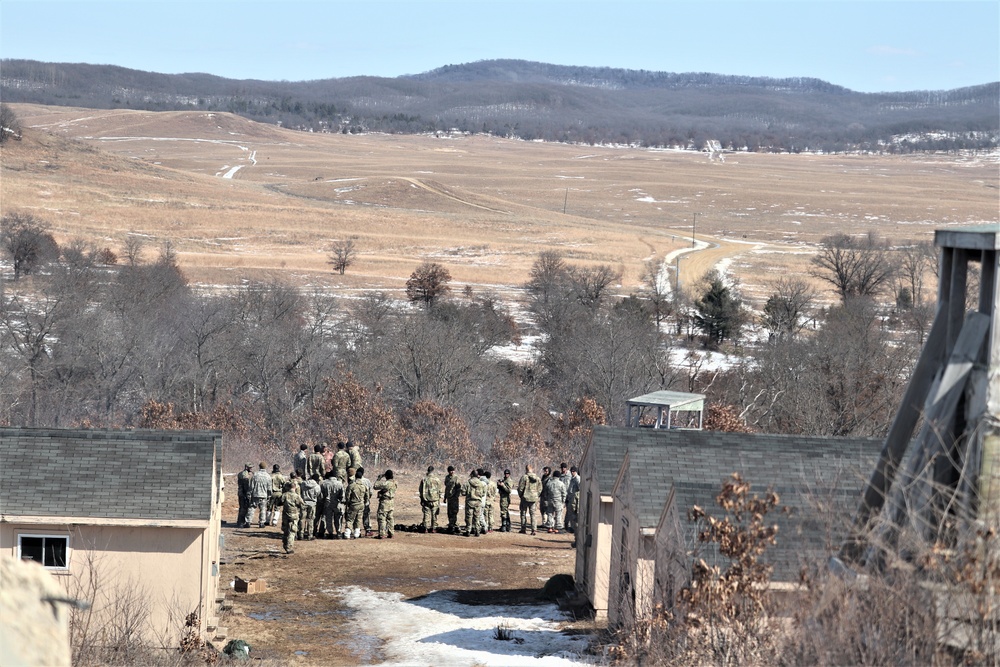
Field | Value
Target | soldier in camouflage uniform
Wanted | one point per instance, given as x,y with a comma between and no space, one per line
355,454
300,459
504,488
554,491
291,509
529,488
489,501
386,489
331,493
316,464
341,462
572,501
430,500
452,496
366,516
310,495
474,492
243,495
355,498
260,493
277,488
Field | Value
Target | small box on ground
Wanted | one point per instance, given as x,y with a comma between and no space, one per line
250,585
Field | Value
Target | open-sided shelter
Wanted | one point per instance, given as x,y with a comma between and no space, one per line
121,518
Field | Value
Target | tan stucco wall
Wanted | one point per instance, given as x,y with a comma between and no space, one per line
164,565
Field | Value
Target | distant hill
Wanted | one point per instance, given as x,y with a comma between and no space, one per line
531,100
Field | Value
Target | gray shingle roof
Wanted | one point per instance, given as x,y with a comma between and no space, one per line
819,479
158,475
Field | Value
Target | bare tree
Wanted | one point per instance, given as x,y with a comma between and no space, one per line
27,241
855,267
786,309
132,248
10,124
427,283
590,284
657,290
342,254
914,262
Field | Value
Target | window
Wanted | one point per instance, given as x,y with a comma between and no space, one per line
52,551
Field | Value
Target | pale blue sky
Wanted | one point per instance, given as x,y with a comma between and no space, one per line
863,45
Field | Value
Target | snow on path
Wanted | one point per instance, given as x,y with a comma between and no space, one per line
232,172
437,630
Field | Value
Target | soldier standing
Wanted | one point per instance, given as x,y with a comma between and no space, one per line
316,464
488,502
572,500
260,493
386,488
367,514
355,498
529,488
452,496
310,495
331,493
300,459
555,491
474,492
355,454
277,488
430,500
243,495
504,488
291,508
544,504
341,462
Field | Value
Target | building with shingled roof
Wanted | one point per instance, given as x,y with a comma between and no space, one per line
118,515
641,530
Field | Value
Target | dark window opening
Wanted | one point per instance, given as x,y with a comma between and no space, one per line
49,551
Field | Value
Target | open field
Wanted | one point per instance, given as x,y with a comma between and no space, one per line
242,199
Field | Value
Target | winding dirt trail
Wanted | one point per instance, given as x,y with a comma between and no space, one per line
441,193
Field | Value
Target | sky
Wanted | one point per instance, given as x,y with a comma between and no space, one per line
863,45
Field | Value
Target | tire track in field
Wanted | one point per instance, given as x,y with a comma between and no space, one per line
441,193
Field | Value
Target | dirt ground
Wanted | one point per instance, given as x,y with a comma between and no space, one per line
296,622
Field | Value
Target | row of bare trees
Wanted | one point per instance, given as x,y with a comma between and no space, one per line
86,339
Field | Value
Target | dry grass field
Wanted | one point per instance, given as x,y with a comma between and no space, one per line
240,199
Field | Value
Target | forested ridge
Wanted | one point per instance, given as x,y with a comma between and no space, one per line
538,101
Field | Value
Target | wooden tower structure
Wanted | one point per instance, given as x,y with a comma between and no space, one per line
931,483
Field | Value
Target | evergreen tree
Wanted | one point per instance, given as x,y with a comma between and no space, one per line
720,312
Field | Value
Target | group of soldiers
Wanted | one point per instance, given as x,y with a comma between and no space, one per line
328,496
556,492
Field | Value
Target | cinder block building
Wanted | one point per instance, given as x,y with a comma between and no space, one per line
118,517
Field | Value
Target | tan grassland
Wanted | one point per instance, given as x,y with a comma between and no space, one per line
482,206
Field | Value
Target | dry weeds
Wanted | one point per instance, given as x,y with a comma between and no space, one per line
483,206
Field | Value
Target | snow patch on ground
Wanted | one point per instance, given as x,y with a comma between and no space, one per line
437,630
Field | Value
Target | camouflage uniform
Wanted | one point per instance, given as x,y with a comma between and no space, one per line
299,462
452,495
430,500
474,492
341,462
291,508
355,497
367,514
386,489
260,493
529,488
486,509
332,494
572,502
274,504
554,492
310,494
504,488
355,455
315,465
243,495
